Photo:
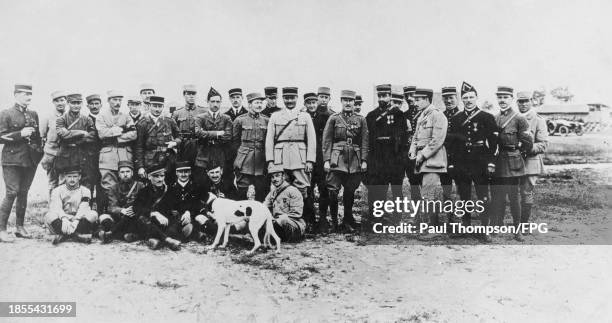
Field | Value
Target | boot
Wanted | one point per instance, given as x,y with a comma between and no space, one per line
173,244
6,237
153,243
525,213
58,238
105,236
82,238
323,225
22,233
130,237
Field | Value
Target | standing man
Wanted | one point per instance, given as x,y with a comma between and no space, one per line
156,140
411,115
514,140
77,140
388,134
291,145
94,104
237,109
20,156
249,134
214,132
146,90
427,149
472,142
449,96
117,133
534,166
345,152
323,98
49,135
271,93
134,108
185,118
319,116
358,103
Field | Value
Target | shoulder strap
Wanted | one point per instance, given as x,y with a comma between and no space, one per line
279,192
280,133
72,124
160,197
470,118
508,121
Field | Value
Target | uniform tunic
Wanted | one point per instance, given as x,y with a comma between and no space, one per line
186,118
249,135
388,132
49,133
291,140
287,205
213,148
117,132
534,165
428,141
152,142
233,114
75,148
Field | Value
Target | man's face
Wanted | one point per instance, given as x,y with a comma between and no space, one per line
504,101
256,106
277,178
357,108
125,174
410,100
94,106
114,103
60,104
236,100
214,103
290,101
156,109
347,104
157,179
73,179
323,99
271,101
215,175
524,105
450,101
146,93
383,99
134,108
183,174
421,102
75,106
469,100
23,98
190,97
311,105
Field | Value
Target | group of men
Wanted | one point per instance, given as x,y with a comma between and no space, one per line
152,169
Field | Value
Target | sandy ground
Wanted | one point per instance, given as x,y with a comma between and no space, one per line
335,279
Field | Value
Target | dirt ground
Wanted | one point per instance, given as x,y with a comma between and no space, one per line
548,278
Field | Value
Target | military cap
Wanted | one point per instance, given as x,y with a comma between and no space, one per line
466,87
146,100
213,165
72,169
504,90
272,169
156,99
189,88
254,96
57,94
183,165
290,91
236,91
358,99
212,92
146,86
323,90
114,94
383,88
23,88
449,90
310,96
397,96
409,89
422,92
134,99
156,168
125,163
271,91
348,94
74,97
524,95
92,97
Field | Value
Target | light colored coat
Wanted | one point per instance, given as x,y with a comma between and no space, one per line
428,141
296,145
114,125
534,165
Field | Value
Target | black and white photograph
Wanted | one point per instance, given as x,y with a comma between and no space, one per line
305,161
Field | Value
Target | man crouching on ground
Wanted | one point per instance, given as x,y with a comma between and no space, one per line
287,204
70,215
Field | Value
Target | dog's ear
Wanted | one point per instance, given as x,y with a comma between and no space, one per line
239,213
249,211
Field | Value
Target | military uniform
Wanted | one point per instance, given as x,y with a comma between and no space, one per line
446,178
287,205
121,196
270,92
319,120
20,157
72,205
213,149
534,166
235,113
414,178
345,147
180,198
223,188
186,119
249,132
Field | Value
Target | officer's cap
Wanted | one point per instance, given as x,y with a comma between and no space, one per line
323,90
114,94
156,168
146,86
271,91
348,94
254,96
310,96
92,97
524,95
409,89
290,91
126,163
182,165
449,90
422,92
75,169
504,90
383,88
134,100
74,97
397,95
156,99
57,94
236,91
27,88
358,99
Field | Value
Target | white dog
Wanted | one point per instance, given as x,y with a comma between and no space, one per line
228,212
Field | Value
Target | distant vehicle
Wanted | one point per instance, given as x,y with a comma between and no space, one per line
564,127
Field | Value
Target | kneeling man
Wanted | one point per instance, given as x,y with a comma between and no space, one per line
287,205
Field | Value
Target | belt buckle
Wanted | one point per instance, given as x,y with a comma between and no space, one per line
349,141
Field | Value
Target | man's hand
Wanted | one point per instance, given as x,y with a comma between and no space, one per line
67,227
308,168
27,132
411,156
326,166
171,144
420,159
221,195
160,218
201,218
142,172
186,218
364,166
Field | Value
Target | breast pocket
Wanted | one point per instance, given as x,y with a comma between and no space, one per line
340,132
248,133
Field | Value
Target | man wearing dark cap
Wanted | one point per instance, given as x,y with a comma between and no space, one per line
514,140
411,115
215,183
427,150
94,105
236,110
21,154
135,109
120,220
185,118
214,132
151,210
70,215
77,139
449,96
249,134
323,98
388,135
49,135
358,103
345,155
157,138
472,142
271,93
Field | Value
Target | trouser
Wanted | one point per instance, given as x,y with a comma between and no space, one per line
119,225
378,185
464,177
527,184
289,229
188,150
17,181
243,181
502,187
429,189
415,180
151,228
350,182
447,186
55,179
108,178
318,179
84,225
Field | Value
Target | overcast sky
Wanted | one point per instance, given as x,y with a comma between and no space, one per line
93,46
